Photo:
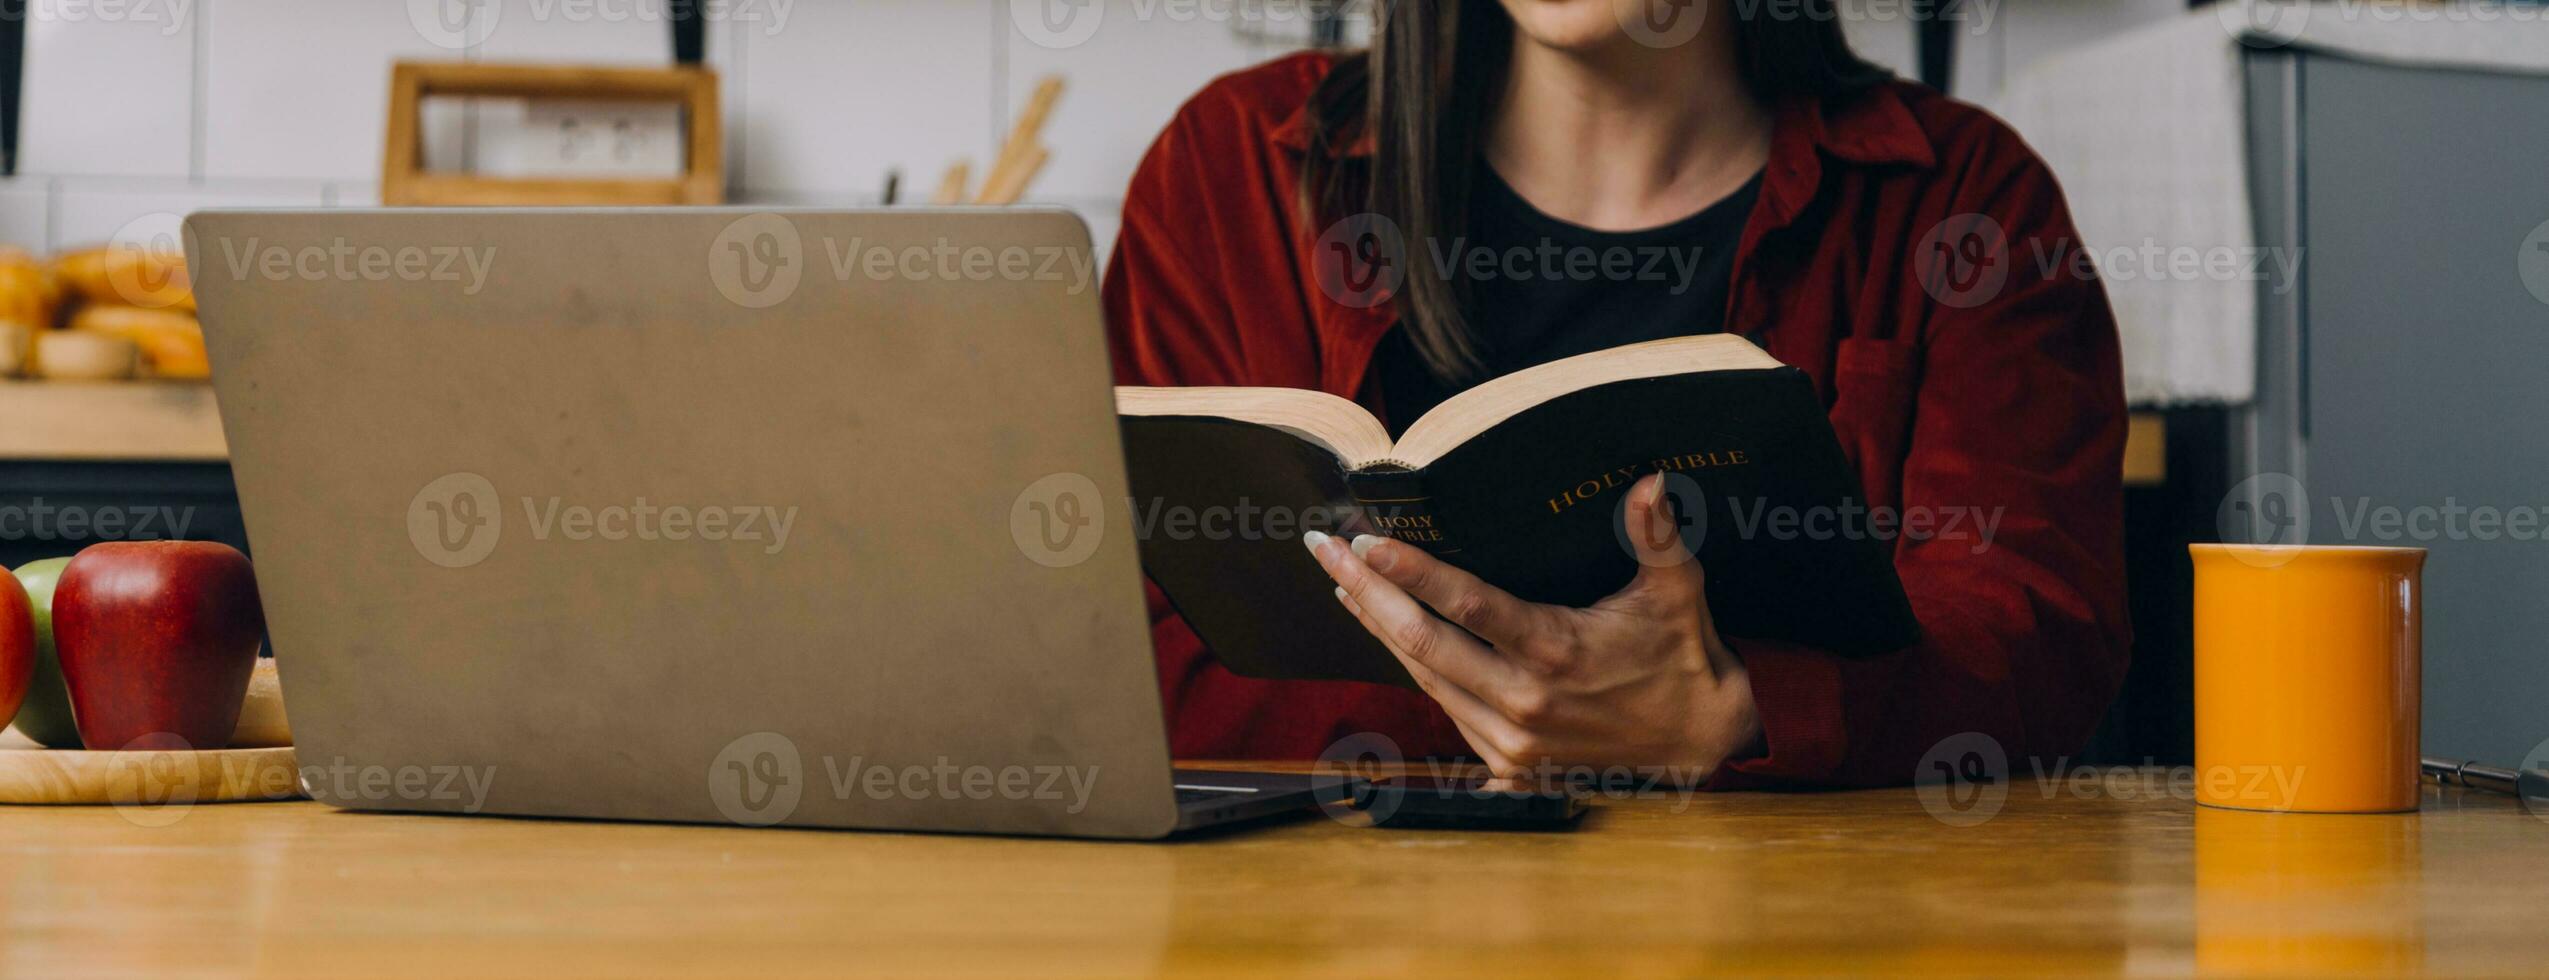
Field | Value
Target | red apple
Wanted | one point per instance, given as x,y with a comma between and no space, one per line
157,639
17,647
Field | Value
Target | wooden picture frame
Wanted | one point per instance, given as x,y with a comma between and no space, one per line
405,181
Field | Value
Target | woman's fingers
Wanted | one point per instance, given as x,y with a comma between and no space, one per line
1668,575
1472,716
1511,625
1417,634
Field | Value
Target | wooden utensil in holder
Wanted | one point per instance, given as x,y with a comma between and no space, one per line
1022,155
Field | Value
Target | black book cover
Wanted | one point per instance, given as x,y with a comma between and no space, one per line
1531,505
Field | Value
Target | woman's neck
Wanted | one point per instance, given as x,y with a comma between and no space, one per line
1629,136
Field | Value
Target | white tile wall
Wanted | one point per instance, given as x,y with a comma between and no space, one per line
725,57
24,209
1128,71
300,88
2042,27
96,212
1887,42
108,95
842,92
283,101
611,32
2024,30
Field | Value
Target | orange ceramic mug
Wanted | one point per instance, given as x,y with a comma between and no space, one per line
2308,667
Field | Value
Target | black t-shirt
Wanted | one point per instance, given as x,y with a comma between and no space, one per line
1541,289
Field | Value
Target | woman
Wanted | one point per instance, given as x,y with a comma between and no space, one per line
1905,250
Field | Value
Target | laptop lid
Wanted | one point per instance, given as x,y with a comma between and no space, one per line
799,517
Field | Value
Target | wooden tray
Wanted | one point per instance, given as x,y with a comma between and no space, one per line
32,774
405,181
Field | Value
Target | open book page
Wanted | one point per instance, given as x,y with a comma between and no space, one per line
1359,439
1465,415
1336,423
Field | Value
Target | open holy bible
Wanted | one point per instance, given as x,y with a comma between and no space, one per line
1519,480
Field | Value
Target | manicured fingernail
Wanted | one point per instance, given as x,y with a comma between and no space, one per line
1313,540
1363,545
1342,597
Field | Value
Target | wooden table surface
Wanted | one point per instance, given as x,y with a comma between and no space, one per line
2065,878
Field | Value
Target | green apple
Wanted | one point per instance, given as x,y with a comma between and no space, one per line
46,715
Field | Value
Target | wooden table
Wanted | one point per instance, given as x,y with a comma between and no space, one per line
2064,879
110,420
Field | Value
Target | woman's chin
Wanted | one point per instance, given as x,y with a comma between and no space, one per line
1581,26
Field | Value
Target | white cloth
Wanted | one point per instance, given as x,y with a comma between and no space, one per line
2146,131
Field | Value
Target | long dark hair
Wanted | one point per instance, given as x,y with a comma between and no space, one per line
1423,92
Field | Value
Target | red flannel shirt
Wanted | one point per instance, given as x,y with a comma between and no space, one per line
1969,366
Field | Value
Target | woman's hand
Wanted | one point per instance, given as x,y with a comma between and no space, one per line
1640,679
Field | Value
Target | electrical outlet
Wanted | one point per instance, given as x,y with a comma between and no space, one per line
575,138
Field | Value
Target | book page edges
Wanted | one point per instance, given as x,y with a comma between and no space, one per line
1359,440
1463,416
1341,426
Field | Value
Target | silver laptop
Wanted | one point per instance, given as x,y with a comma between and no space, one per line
807,518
